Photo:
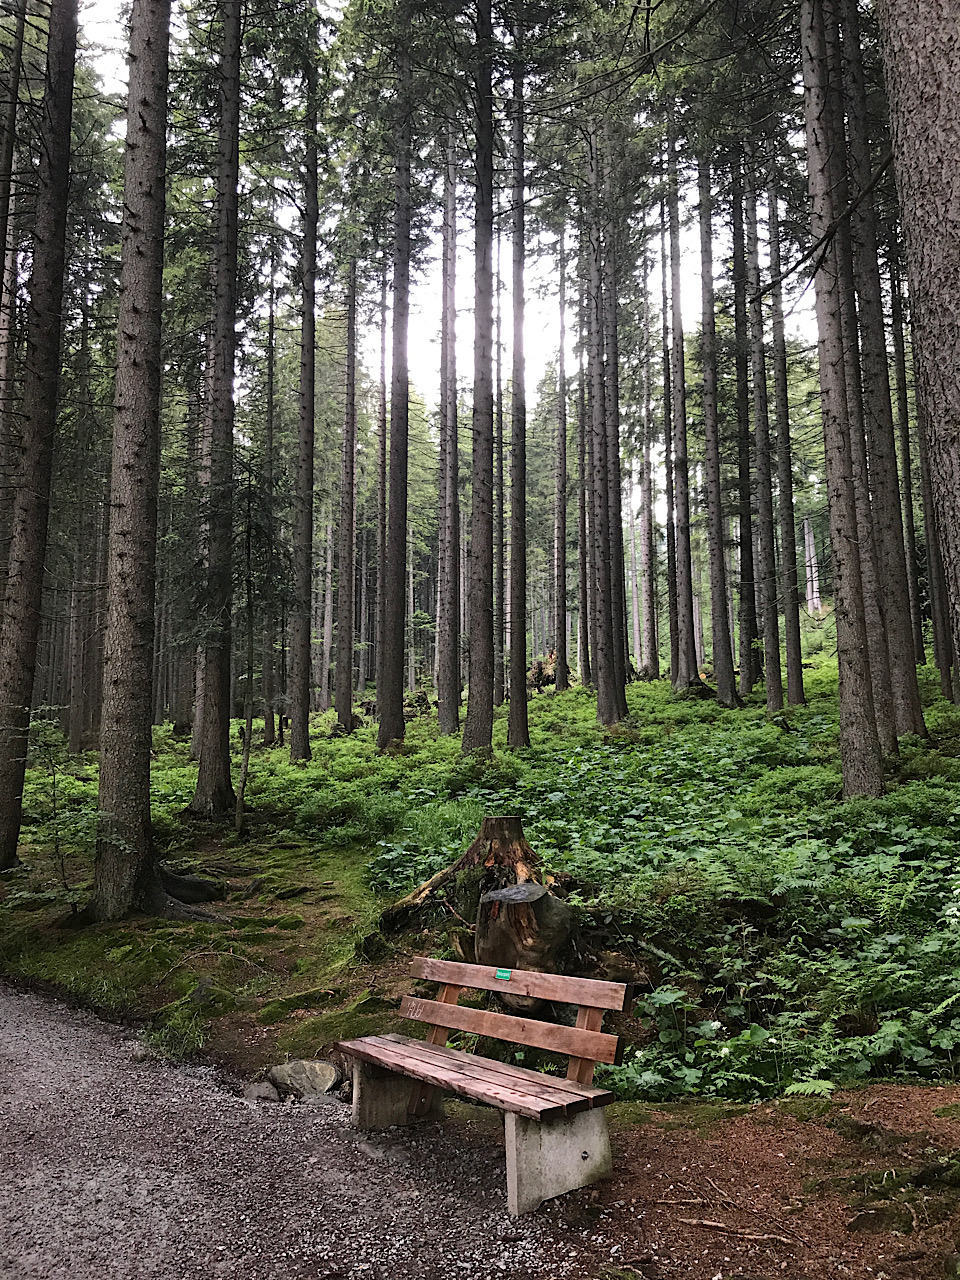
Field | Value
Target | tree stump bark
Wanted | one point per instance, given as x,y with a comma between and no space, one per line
522,926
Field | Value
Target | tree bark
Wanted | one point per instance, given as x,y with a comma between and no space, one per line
390,696
346,566
448,593
878,413
749,659
859,745
560,507
724,672
518,731
922,65
686,676
214,796
478,729
125,875
767,567
788,528
24,583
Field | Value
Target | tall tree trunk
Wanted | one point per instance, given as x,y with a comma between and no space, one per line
611,346
583,568
518,732
560,504
499,504
390,695
268,661
878,413
346,568
859,745
24,584
648,554
604,655
667,426
478,729
903,432
381,489
448,593
8,282
686,675
749,636
214,795
724,672
922,65
788,528
326,644
766,545
301,611
814,603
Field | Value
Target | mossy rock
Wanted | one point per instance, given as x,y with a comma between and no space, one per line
291,920
276,1010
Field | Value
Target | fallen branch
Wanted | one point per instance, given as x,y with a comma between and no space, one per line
735,1231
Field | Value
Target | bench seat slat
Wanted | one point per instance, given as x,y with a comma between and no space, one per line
523,982
576,1097
595,1045
407,1061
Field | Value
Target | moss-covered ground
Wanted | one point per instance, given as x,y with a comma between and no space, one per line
779,936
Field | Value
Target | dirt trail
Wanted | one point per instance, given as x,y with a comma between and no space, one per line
111,1168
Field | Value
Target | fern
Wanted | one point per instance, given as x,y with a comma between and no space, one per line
810,1089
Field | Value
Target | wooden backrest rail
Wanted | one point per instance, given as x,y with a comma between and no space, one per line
523,982
585,1043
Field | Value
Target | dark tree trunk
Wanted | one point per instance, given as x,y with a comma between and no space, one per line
499,521
560,507
214,795
922,64
381,489
478,729
666,424
583,616
648,555
859,745
749,636
766,545
301,612
518,732
687,675
390,688
270,618
24,583
346,560
448,594
906,451
788,529
125,875
724,672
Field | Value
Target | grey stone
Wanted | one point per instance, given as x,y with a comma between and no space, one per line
260,1091
304,1078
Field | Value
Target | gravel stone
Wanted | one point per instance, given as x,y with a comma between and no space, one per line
152,1171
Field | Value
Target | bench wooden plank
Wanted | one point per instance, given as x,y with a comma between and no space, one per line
595,1045
523,982
581,1069
405,1060
421,1095
566,1093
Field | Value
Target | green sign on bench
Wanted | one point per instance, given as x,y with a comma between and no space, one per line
555,1128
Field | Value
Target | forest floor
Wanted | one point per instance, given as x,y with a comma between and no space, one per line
126,1169
789,1097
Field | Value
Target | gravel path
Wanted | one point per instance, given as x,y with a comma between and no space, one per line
112,1168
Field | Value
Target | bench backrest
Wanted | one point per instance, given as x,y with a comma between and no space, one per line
585,1043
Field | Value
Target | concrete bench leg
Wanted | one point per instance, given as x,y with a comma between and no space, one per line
546,1158
381,1098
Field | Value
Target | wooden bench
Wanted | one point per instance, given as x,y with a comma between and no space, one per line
555,1128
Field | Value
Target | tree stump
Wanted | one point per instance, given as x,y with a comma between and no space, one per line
522,926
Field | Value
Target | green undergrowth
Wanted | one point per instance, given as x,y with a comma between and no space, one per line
782,939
